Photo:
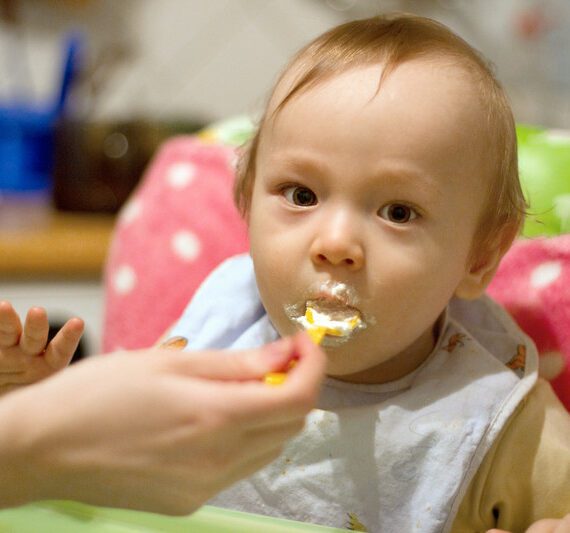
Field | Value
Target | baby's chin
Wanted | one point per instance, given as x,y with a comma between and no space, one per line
357,362
342,360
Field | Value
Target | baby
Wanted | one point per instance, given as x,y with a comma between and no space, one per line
382,186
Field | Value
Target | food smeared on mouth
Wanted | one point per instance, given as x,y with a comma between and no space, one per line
326,320
329,312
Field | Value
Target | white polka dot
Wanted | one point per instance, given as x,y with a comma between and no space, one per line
125,279
179,175
545,274
131,211
186,245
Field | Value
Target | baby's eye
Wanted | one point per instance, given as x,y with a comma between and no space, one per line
397,213
301,196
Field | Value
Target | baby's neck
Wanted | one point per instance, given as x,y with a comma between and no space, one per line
400,365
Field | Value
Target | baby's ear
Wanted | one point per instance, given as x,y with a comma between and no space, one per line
484,264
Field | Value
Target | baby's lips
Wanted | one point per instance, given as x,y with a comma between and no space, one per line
342,294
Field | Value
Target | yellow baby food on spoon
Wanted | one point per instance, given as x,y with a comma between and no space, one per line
318,324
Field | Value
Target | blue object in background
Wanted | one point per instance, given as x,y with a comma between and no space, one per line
27,132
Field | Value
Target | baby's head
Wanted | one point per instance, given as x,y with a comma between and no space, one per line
388,42
386,162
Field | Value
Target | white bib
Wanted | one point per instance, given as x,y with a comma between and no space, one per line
378,458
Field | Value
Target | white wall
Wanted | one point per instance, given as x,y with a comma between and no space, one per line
210,59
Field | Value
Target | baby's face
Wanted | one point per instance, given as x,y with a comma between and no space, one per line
370,201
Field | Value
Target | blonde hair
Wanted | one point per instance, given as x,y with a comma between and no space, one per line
389,41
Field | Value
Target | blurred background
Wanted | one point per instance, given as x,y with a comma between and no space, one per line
125,75
90,88
204,60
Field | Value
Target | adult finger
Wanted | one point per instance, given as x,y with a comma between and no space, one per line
234,365
551,525
62,347
35,334
232,448
255,404
10,326
308,374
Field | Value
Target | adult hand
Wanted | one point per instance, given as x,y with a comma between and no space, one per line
548,525
154,430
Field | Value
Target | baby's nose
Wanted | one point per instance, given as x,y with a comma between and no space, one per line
338,243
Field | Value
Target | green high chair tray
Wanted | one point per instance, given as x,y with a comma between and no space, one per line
73,517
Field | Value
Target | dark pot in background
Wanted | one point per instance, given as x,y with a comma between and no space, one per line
97,165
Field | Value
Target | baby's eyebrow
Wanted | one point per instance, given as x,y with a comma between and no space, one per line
299,162
409,177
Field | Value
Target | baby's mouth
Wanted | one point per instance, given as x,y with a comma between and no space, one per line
337,319
328,315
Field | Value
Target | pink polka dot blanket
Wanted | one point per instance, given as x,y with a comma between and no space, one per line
533,283
181,223
177,226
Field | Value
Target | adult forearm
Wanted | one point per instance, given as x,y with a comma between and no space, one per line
154,430
20,471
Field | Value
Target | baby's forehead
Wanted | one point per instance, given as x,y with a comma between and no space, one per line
451,90
424,111
452,77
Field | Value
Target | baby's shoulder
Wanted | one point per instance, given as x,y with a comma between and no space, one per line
541,414
524,477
